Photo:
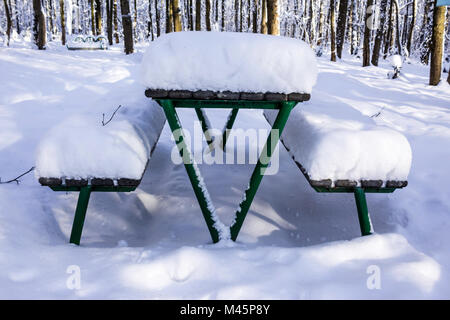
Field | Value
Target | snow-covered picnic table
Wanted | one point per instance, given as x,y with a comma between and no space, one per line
230,71
227,70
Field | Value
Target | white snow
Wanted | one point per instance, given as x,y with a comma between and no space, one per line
81,147
396,61
228,61
344,145
154,244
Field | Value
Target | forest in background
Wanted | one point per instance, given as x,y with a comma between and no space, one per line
371,29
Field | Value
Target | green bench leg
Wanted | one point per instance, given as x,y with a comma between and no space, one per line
80,214
363,212
228,126
204,121
261,165
194,175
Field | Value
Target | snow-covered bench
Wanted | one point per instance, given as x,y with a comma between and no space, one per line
83,155
88,43
346,152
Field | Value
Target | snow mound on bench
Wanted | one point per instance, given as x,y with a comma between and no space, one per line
345,146
81,148
229,61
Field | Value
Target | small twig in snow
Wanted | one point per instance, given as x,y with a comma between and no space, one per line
377,114
112,116
16,179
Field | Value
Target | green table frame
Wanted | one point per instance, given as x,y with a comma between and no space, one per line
169,105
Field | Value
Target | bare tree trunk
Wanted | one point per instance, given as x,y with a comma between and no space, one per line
321,24
448,78
39,28
223,15
127,25
341,24
158,22
93,18
273,24
367,33
380,33
332,31
208,15
388,40
109,16
98,16
255,16
413,24
264,16
116,22
169,22
63,22
8,20
437,44
150,22
236,15
198,15
397,20
176,15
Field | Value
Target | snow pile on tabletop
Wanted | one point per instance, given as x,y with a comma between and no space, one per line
81,147
229,61
345,145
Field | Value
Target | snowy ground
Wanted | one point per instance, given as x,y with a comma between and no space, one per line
153,243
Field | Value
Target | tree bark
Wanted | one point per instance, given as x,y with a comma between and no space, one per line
8,20
198,15
127,26
169,22
367,34
109,18
321,24
255,16
380,33
397,21
448,77
273,24
411,31
264,17
437,44
94,30
208,15
158,22
150,21
63,22
116,22
332,31
176,15
39,28
223,15
388,39
341,24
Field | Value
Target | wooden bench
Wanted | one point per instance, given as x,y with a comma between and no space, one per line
147,127
358,188
88,43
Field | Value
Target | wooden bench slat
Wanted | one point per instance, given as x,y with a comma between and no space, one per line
226,95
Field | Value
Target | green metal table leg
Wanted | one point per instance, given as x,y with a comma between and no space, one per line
80,214
363,212
194,175
204,121
228,126
261,165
